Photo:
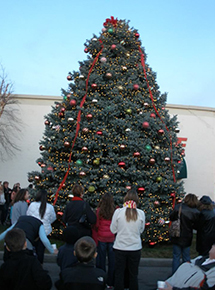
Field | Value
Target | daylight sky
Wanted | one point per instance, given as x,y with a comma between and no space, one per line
42,40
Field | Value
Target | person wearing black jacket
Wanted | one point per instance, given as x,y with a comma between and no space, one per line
22,271
75,209
206,226
189,219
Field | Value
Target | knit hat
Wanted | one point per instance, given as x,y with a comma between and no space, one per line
70,235
206,200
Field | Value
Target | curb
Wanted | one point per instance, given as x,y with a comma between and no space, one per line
144,262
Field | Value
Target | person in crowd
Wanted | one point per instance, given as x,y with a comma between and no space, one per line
34,230
45,212
20,205
66,257
206,226
127,223
75,209
7,196
84,275
105,237
189,218
2,204
13,195
22,271
199,274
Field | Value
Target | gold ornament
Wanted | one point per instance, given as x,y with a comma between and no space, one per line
124,68
120,88
105,176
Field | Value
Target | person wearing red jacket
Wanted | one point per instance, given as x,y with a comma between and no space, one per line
105,237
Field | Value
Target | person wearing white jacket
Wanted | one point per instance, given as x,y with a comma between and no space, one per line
45,212
127,223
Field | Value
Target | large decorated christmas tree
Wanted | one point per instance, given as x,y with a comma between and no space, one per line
112,132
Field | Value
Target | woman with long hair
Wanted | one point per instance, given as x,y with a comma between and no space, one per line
105,237
45,212
127,223
20,205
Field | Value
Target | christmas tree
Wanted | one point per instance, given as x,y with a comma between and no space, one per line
112,132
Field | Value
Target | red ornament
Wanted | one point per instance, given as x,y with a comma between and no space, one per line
153,115
152,161
42,147
136,154
156,203
66,144
145,125
135,87
94,86
61,114
160,132
82,174
50,168
73,103
99,133
121,164
113,46
89,117
172,194
62,109
39,163
46,122
43,165
69,77
147,224
68,96
86,50
128,187
84,149
141,189
59,214
137,35
152,243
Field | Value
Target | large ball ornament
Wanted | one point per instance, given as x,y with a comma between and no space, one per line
167,159
70,120
127,54
94,101
82,174
94,86
157,147
113,46
89,117
81,77
172,194
160,132
141,189
152,115
135,87
66,144
86,50
161,221
79,162
122,42
43,165
108,76
61,114
156,203
85,130
147,224
137,35
59,214
50,168
152,161
104,29
148,147
91,188
146,105
124,68
145,125
42,148
96,161
177,130
128,187
99,133
120,88
110,30
68,96
69,77
103,59
136,154
84,149
63,109
73,103
127,130
159,179
121,164
122,147
37,177
129,111
47,122
106,176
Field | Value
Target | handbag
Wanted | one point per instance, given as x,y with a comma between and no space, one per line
174,230
83,219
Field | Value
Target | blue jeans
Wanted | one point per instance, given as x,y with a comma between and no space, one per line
104,249
177,252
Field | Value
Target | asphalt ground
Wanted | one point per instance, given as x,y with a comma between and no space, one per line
150,271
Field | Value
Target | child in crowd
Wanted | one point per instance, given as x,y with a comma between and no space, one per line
22,271
66,257
84,275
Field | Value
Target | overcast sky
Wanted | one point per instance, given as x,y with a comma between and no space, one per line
42,40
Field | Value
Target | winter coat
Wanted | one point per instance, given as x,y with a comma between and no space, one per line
48,218
19,208
189,219
205,232
73,212
23,272
104,233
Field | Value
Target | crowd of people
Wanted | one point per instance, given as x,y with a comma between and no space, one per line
90,236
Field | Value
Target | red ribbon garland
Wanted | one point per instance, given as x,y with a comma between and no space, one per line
78,123
111,21
151,96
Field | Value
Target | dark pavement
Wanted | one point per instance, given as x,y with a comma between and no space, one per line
150,271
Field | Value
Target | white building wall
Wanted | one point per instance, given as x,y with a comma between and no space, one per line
196,124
